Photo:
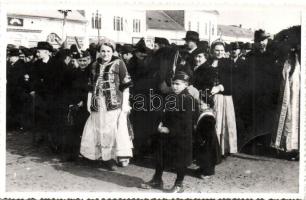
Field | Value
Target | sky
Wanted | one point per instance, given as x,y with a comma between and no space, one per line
271,19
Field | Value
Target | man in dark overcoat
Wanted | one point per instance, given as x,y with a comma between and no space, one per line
191,41
15,75
238,76
141,117
47,88
261,94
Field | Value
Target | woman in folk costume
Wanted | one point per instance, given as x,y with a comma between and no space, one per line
106,132
286,135
217,79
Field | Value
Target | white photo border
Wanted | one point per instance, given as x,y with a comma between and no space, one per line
160,4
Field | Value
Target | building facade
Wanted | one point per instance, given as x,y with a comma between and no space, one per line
26,28
161,24
173,24
121,26
204,22
232,33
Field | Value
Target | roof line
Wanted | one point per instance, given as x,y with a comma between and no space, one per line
24,15
167,29
215,12
173,20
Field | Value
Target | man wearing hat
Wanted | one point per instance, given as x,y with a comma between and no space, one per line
22,50
235,50
174,146
239,72
127,52
47,89
160,42
191,41
28,55
139,68
246,48
138,65
15,77
93,51
260,95
75,106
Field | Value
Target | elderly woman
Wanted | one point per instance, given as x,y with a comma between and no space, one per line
105,135
214,77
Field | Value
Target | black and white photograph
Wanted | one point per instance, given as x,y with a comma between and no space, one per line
115,99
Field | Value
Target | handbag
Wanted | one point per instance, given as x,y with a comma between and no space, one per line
94,106
208,112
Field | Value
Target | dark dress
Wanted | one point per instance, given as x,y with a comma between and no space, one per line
207,148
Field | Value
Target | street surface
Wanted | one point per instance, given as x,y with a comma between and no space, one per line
37,169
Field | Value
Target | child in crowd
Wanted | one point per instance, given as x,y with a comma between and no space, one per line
174,148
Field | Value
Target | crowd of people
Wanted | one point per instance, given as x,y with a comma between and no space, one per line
182,103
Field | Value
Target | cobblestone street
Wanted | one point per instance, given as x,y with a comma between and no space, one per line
31,169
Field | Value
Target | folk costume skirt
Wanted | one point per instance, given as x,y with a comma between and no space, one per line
105,135
225,123
286,136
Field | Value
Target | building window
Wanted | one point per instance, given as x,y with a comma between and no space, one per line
189,25
93,21
212,30
198,27
206,28
136,25
96,21
118,23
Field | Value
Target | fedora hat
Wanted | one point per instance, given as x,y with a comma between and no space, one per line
14,52
162,41
192,35
27,52
44,46
247,46
127,48
260,35
140,46
82,54
234,46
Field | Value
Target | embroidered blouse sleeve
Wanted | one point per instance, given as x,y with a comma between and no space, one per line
124,77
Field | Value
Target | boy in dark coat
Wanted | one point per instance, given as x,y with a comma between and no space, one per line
174,146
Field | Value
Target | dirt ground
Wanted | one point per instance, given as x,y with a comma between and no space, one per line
37,169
